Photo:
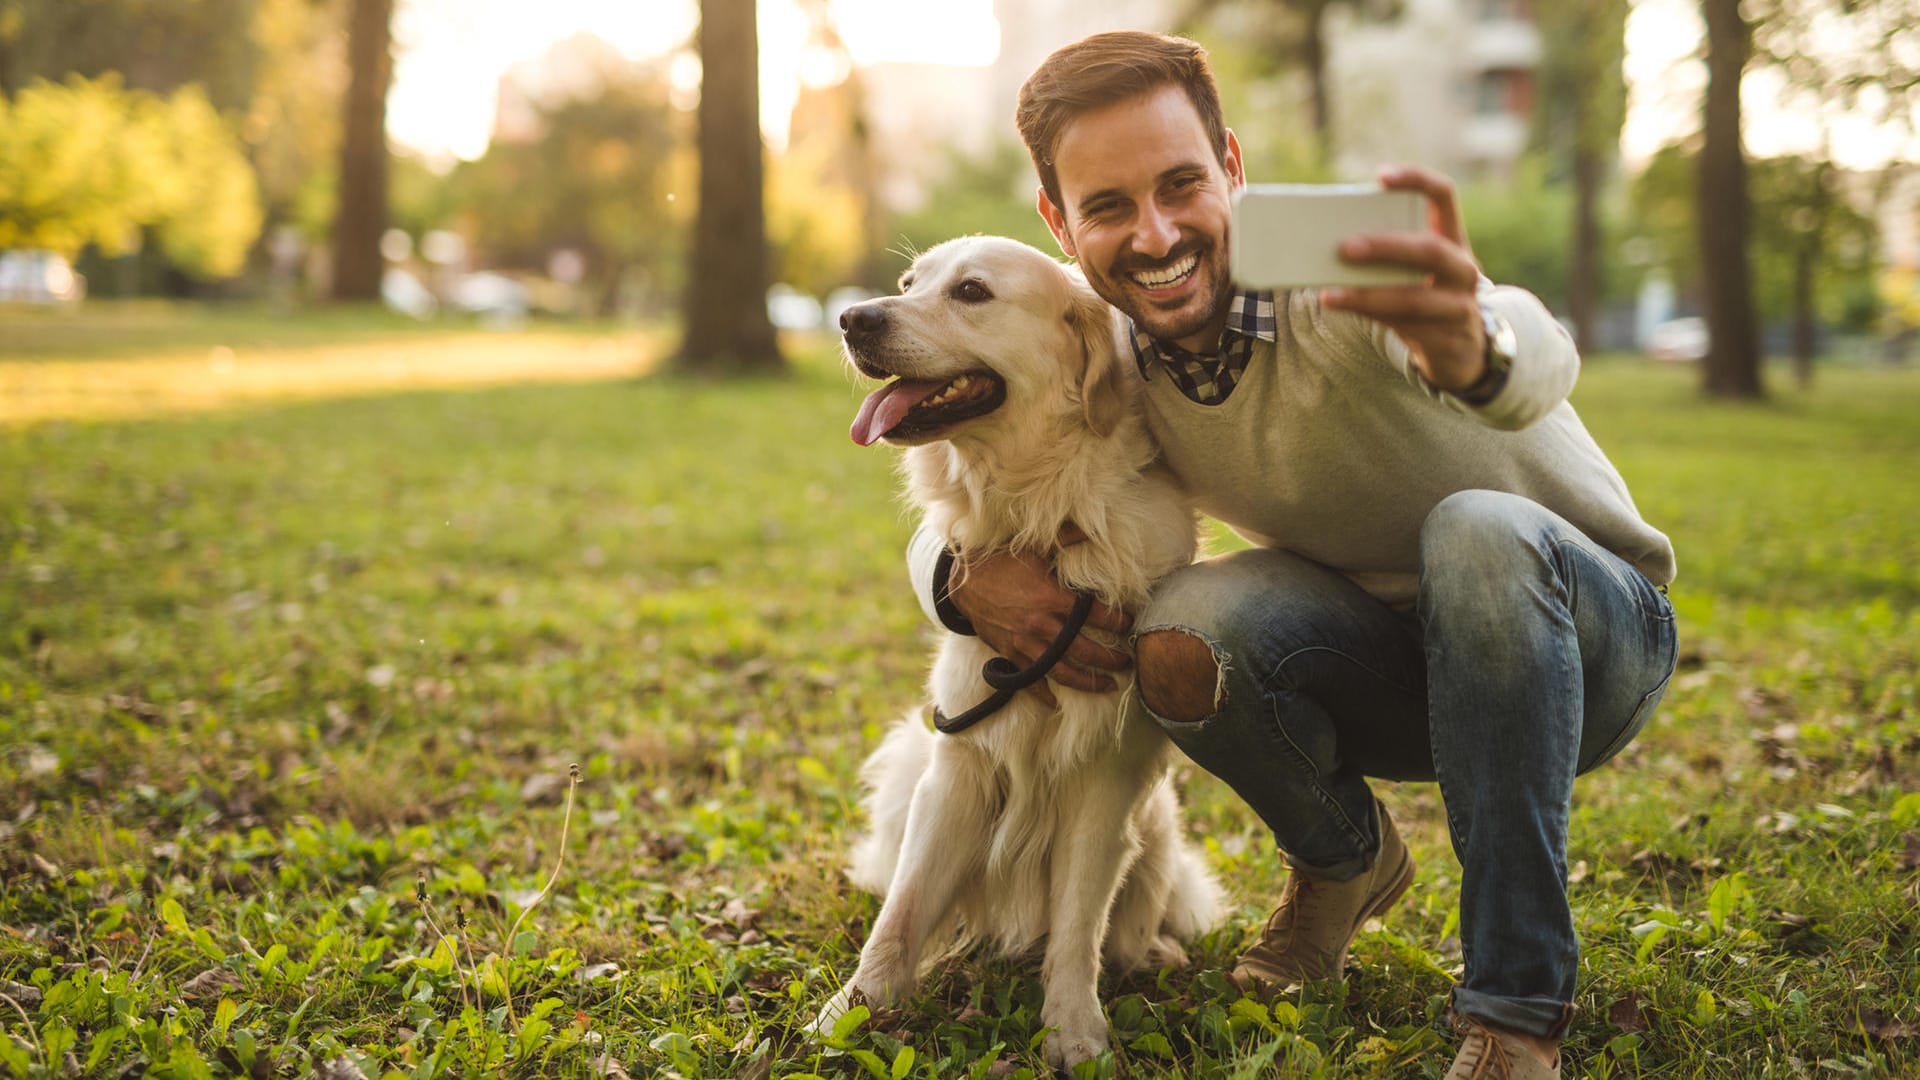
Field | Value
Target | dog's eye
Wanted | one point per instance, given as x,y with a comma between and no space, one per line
971,292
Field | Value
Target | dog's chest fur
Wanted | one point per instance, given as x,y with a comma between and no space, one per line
1139,528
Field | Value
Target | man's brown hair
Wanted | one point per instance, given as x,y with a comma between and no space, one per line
1101,70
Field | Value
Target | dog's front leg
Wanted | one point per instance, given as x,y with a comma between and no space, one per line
1090,854
944,836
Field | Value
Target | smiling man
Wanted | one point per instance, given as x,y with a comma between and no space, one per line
1449,581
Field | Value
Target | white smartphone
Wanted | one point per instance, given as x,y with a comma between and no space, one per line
1287,236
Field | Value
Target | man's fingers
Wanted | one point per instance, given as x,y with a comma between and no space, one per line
1400,304
1111,619
1448,262
1080,678
1088,653
1443,208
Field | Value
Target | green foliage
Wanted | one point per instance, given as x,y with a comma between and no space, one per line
1795,207
260,668
89,162
1521,229
992,194
603,173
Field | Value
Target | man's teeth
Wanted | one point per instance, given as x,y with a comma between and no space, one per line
1156,278
952,388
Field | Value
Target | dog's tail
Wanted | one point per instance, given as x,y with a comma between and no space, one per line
889,776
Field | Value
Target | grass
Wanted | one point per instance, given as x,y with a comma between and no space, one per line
275,671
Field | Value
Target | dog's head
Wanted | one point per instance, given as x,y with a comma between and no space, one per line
985,331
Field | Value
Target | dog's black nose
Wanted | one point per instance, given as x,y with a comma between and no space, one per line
863,320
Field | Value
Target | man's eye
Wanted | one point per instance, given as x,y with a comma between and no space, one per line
971,292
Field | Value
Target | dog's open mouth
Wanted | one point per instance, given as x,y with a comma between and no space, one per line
907,408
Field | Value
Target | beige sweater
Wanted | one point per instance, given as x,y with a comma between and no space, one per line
1332,447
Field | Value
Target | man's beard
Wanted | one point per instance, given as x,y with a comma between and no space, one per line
1193,314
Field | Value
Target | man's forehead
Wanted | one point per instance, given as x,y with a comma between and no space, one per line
1130,142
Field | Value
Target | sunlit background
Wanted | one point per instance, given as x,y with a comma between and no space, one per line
542,159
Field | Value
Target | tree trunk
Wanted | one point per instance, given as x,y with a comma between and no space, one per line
1583,282
1313,54
726,299
360,216
1732,368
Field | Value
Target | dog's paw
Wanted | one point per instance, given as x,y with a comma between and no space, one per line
1166,952
1069,1045
836,1007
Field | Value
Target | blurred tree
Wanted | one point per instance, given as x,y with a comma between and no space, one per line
1854,57
1732,367
727,327
90,162
1292,34
598,179
275,69
1812,248
361,214
1583,103
153,46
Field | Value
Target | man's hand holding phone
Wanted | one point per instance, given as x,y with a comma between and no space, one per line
1420,282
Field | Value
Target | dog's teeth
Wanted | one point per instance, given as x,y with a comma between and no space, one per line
961,382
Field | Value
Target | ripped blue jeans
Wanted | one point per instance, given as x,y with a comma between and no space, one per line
1534,655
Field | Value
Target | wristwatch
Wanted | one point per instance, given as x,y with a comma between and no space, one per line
1501,345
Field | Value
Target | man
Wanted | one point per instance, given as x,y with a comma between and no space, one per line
1450,582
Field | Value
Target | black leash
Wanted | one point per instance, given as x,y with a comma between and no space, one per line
1008,680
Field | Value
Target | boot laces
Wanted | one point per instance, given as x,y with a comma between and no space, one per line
1492,1059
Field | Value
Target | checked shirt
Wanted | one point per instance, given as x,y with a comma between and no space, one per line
1208,379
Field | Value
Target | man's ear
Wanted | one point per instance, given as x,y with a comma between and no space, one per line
1056,220
1102,398
1234,164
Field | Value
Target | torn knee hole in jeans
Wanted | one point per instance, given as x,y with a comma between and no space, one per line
1176,667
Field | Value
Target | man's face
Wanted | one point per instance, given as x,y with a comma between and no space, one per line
1146,207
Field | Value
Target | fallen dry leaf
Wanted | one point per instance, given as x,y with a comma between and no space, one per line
210,983
1627,1013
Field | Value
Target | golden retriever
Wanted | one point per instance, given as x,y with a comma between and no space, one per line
1039,824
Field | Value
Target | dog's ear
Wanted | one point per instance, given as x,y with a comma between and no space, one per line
1101,396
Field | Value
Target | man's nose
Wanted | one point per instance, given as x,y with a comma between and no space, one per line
1155,233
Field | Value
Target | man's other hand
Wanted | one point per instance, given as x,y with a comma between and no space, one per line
1439,320
1018,608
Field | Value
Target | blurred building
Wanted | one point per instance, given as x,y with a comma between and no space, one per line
1449,84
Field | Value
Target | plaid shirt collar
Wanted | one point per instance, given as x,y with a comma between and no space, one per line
1208,379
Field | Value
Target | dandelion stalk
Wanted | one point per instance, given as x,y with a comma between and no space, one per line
426,908
559,861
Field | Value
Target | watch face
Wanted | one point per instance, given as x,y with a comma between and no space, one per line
1501,341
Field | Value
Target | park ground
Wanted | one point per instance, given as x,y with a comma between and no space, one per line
303,622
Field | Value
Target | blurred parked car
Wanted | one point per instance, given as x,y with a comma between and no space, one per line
403,292
1678,340
498,299
31,276
790,309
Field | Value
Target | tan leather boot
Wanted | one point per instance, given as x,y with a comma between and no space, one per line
1487,1054
1308,935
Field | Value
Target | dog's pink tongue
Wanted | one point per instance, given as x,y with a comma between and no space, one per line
885,406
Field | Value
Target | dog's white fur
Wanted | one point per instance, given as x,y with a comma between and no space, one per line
1036,825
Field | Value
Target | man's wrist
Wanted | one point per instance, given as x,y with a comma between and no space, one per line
943,605
1497,355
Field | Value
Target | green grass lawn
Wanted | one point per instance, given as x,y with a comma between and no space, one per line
271,674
